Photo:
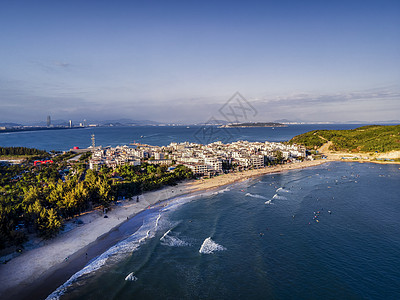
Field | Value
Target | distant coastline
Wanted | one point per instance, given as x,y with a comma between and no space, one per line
256,124
35,129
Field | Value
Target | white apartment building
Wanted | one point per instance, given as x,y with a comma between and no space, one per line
158,155
197,169
214,163
257,161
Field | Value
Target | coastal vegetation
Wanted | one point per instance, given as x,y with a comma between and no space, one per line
38,200
21,152
371,138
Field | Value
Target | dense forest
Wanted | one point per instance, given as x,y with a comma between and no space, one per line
21,151
37,200
369,138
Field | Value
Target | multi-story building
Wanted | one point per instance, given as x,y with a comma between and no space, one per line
202,159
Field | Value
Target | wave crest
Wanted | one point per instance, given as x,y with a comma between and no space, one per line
172,241
256,196
282,190
131,277
276,196
130,244
209,246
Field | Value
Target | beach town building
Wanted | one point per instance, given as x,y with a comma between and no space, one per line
162,162
201,159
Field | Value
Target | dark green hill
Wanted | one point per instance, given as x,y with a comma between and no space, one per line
366,139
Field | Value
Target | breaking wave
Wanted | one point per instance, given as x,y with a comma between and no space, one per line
276,196
256,196
221,191
209,246
282,190
172,241
115,253
131,277
178,202
269,202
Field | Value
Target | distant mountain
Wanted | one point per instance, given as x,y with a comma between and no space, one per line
214,122
286,121
44,123
256,124
9,125
112,122
128,122
373,122
357,122
388,122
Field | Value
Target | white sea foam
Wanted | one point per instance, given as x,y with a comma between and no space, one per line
269,202
178,202
165,234
276,196
282,190
131,277
158,219
256,196
115,253
209,246
221,191
173,241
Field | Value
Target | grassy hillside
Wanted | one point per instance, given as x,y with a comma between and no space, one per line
365,139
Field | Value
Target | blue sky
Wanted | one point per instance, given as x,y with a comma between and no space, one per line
180,61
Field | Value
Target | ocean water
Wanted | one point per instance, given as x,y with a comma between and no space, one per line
62,140
327,232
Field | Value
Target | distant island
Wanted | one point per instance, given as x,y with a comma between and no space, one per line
251,124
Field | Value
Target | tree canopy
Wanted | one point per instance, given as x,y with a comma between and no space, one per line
369,138
39,199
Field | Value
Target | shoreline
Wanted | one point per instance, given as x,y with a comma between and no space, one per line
41,270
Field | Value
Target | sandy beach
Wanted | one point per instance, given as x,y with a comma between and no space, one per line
72,249
379,158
